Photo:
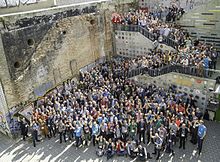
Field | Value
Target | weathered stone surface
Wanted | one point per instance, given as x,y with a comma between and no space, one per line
40,56
41,48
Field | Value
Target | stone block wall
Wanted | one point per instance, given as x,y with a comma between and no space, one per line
39,56
133,44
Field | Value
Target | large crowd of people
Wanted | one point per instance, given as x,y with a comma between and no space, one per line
114,114
197,62
191,53
160,23
117,116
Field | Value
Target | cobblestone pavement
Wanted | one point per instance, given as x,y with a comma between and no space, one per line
52,150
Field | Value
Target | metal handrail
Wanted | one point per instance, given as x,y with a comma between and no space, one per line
189,70
94,64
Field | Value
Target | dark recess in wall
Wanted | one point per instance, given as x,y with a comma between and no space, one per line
207,13
30,42
21,44
92,22
208,24
210,37
17,64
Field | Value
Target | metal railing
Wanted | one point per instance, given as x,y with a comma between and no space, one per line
137,28
146,33
94,64
170,42
189,70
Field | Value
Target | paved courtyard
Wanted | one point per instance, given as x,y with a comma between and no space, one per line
52,150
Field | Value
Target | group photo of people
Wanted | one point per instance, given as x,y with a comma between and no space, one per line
116,116
106,110
110,80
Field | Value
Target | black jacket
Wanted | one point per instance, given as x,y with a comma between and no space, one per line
141,128
182,133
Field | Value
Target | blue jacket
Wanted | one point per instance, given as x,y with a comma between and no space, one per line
206,63
201,130
78,132
95,129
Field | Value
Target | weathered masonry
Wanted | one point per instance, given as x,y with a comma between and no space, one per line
40,49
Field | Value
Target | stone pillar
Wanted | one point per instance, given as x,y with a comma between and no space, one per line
4,127
11,94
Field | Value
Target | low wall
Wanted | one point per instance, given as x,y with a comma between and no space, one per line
132,44
190,85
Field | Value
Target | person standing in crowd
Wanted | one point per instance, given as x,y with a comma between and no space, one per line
173,128
158,141
194,132
141,130
43,128
206,115
148,129
110,149
78,135
62,131
117,133
214,57
95,132
198,113
206,60
86,132
101,146
132,130
50,125
201,135
143,155
24,127
170,143
124,131
103,129
162,132
35,129
69,130
183,131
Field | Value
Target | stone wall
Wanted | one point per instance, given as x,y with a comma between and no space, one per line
189,85
133,44
39,56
